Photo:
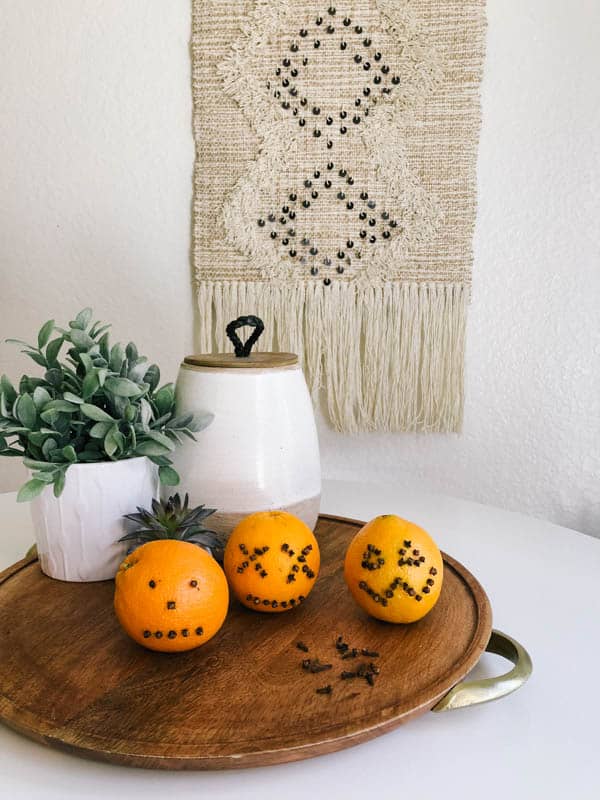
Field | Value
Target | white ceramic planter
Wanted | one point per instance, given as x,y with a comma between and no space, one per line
77,533
261,451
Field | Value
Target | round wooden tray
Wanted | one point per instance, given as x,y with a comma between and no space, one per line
71,679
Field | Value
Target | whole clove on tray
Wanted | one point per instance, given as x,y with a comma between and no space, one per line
366,670
314,665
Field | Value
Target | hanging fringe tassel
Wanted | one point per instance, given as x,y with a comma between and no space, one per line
388,357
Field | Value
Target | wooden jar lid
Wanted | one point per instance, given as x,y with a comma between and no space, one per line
253,361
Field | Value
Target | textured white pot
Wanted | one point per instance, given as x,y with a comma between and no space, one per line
261,450
77,533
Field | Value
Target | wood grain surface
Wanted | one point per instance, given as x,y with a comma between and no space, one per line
71,679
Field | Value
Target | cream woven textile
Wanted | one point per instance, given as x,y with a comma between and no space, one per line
335,196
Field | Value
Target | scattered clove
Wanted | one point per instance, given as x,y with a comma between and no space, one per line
302,646
314,665
325,689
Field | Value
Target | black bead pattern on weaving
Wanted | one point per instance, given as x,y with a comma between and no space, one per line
329,29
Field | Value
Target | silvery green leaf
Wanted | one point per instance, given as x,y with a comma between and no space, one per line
69,453
103,347
41,396
117,357
90,456
122,387
83,319
32,463
48,446
131,352
168,476
95,413
45,332
145,413
53,349
165,398
152,377
182,421
201,421
26,411
61,405
63,423
37,357
96,332
31,489
138,370
81,339
73,398
37,438
59,483
102,375
113,441
50,417
156,436
46,476
158,423
160,461
150,448
4,410
87,362
100,429
54,376
8,390
90,385
173,436
120,404
130,413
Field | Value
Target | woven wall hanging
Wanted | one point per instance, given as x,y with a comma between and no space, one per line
335,194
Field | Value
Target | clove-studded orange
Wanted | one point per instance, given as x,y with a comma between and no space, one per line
272,561
394,569
170,595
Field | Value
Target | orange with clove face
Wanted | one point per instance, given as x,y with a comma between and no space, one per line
272,561
170,595
394,569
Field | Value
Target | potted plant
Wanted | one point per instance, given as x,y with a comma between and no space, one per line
96,432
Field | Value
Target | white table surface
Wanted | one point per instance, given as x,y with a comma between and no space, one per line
541,742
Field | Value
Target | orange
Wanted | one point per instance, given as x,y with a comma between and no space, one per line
170,595
272,561
394,569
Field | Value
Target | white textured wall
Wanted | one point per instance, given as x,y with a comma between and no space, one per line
95,177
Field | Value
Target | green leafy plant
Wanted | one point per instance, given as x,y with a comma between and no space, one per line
99,403
172,519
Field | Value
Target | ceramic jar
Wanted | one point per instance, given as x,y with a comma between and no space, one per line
261,450
77,534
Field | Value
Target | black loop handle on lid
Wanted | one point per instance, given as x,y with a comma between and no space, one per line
242,350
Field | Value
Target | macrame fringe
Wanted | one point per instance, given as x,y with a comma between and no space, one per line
388,357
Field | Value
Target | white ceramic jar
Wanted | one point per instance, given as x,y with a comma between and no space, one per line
77,534
261,450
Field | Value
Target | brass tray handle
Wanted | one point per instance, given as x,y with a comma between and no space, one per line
472,693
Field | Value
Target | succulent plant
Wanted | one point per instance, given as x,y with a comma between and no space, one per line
100,403
172,519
